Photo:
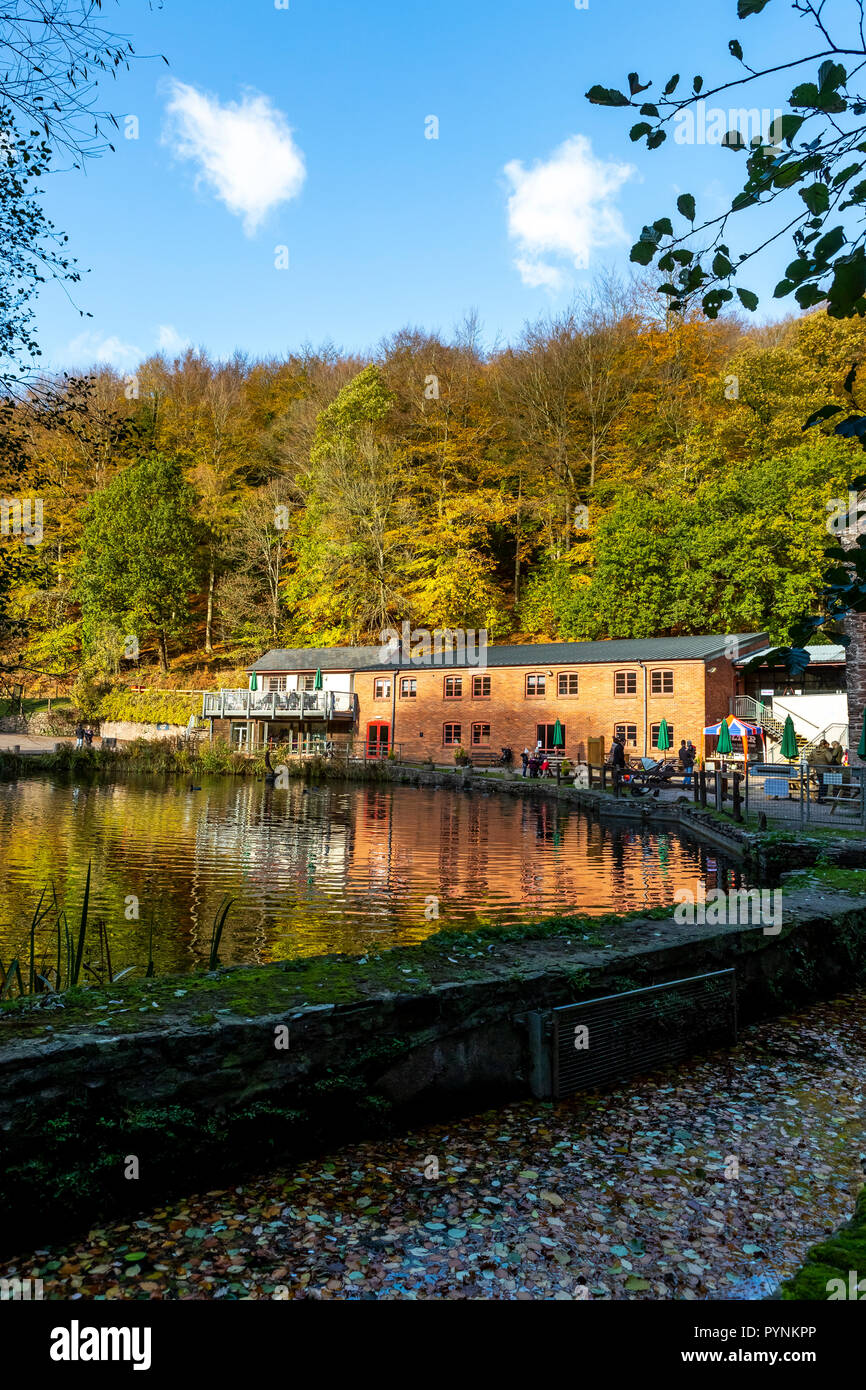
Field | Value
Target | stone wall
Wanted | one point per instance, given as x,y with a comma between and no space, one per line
125,731
204,1099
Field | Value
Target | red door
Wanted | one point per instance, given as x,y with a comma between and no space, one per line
378,735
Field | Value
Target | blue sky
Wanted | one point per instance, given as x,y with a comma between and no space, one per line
304,128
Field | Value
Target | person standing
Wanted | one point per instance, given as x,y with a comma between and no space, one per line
79,735
687,758
820,759
524,758
617,762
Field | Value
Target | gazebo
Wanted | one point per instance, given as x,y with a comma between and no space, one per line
736,728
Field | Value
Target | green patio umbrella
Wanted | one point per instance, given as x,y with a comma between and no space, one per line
317,683
861,746
724,744
789,740
558,739
664,740
254,681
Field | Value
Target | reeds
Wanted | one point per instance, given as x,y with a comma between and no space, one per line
68,963
219,922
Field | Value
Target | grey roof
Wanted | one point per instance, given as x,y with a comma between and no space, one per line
827,654
528,654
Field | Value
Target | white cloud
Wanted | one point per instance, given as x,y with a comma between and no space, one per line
93,348
244,150
169,340
564,208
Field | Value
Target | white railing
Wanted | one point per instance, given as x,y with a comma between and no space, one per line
276,704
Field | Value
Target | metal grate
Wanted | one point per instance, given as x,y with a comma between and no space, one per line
639,1030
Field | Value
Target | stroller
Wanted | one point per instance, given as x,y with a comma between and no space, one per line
650,776
506,759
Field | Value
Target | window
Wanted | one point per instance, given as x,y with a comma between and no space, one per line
276,682
544,735
480,735
382,688
661,682
408,687
481,687
627,732
654,735
453,687
451,736
307,683
535,685
568,682
625,683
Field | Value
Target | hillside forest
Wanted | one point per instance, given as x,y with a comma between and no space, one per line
614,472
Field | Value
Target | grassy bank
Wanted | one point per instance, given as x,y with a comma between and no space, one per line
834,1267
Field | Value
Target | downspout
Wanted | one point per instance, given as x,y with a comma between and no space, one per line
394,705
645,729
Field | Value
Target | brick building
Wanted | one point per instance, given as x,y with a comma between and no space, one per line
430,707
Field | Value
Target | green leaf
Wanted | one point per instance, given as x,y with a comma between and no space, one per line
733,141
816,197
807,296
787,127
845,174
697,83
848,284
637,131
747,7
831,75
607,96
721,266
663,226
823,99
634,84
686,206
642,252
657,138
748,299
823,414
672,84
648,109
830,244
735,48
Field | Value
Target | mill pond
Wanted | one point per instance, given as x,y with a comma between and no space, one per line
316,868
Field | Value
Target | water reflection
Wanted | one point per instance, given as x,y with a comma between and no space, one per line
342,867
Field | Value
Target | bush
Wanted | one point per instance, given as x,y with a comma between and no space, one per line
152,707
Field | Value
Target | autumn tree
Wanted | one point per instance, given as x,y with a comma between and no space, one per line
137,566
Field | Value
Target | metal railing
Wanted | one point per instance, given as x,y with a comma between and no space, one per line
601,1042
807,794
276,704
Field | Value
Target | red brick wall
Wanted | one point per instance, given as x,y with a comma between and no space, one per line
697,699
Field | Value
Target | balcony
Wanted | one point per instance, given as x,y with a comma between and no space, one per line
278,704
